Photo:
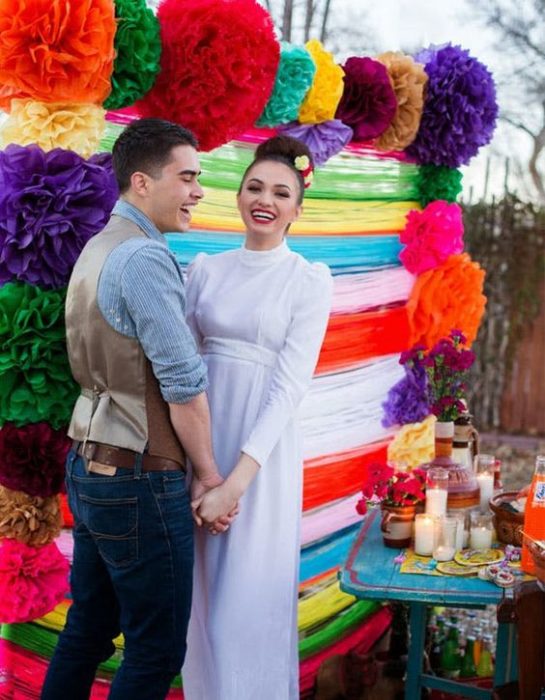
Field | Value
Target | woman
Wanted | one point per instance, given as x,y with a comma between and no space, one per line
259,314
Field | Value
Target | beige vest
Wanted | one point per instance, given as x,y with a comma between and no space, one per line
120,402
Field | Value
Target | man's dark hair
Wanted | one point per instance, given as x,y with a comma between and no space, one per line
145,146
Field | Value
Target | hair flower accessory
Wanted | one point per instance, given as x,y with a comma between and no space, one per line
303,164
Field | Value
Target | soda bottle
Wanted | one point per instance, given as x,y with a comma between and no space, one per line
534,514
468,668
485,667
450,653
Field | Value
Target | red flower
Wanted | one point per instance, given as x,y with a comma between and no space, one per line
218,65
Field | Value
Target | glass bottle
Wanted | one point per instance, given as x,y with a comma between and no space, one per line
450,653
485,667
468,668
534,514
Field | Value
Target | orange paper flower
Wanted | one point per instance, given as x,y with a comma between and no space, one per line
449,296
56,51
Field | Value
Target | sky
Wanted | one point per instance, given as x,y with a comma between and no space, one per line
407,24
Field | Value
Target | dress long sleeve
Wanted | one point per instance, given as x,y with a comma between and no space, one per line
193,286
295,364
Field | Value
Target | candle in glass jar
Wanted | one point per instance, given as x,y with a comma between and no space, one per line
436,502
424,534
486,487
443,553
480,537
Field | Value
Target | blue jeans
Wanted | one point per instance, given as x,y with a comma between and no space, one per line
132,573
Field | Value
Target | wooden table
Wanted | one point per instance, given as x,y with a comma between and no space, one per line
371,573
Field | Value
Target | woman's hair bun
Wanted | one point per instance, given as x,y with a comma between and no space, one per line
281,146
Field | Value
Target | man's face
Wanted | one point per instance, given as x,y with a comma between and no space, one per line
174,191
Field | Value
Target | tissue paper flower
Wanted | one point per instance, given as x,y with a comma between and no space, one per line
323,97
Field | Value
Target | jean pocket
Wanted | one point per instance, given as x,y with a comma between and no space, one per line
168,484
113,523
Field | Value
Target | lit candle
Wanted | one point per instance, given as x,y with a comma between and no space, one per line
486,486
443,553
424,534
480,537
436,502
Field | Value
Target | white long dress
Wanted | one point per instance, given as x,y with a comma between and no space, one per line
260,318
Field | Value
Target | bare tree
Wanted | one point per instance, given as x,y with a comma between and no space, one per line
520,27
343,28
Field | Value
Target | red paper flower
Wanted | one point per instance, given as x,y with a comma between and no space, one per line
218,66
33,580
56,51
32,458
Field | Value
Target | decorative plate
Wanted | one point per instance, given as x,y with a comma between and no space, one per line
452,568
478,557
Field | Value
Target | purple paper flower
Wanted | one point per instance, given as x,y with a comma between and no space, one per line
324,140
51,204
407,400
368,104
460,110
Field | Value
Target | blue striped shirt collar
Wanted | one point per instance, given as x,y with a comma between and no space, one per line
137,216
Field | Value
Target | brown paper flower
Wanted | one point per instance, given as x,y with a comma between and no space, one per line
34,521
408,79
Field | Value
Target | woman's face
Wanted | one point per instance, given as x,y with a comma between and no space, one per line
268,202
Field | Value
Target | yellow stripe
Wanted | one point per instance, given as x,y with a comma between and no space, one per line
218,212
322,606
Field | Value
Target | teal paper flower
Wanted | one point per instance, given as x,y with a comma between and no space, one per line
138,52
293,79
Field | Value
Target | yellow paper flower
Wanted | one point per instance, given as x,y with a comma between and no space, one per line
74,127
414,444
321,101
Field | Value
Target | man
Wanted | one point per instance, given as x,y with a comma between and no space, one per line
142,406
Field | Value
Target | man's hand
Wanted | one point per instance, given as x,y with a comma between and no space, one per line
216,509
199,486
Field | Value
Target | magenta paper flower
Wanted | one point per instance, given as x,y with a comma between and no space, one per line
368,103
431,236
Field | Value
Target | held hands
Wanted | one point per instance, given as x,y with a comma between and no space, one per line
216,507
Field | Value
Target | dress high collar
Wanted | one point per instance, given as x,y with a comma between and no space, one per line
264,257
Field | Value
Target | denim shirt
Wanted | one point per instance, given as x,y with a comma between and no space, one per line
141,295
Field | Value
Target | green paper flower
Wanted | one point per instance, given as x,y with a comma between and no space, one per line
138,51
438,182
35,379
293,79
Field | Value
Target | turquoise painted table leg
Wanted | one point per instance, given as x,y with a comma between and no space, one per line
506,655
417,629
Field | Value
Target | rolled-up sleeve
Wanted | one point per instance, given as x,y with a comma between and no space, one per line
153,291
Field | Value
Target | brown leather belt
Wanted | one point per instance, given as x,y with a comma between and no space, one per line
124,458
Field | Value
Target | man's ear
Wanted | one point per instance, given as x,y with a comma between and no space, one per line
140,183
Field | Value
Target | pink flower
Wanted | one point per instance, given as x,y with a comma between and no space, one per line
431,236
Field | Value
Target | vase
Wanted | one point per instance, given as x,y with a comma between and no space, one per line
397,525
463,488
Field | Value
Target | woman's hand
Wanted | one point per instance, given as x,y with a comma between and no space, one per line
216,509
524,491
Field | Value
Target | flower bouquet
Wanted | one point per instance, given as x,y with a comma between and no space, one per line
398,492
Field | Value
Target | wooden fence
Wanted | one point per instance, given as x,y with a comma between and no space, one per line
523,401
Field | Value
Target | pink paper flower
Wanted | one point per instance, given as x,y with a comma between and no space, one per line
431,236
33,580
